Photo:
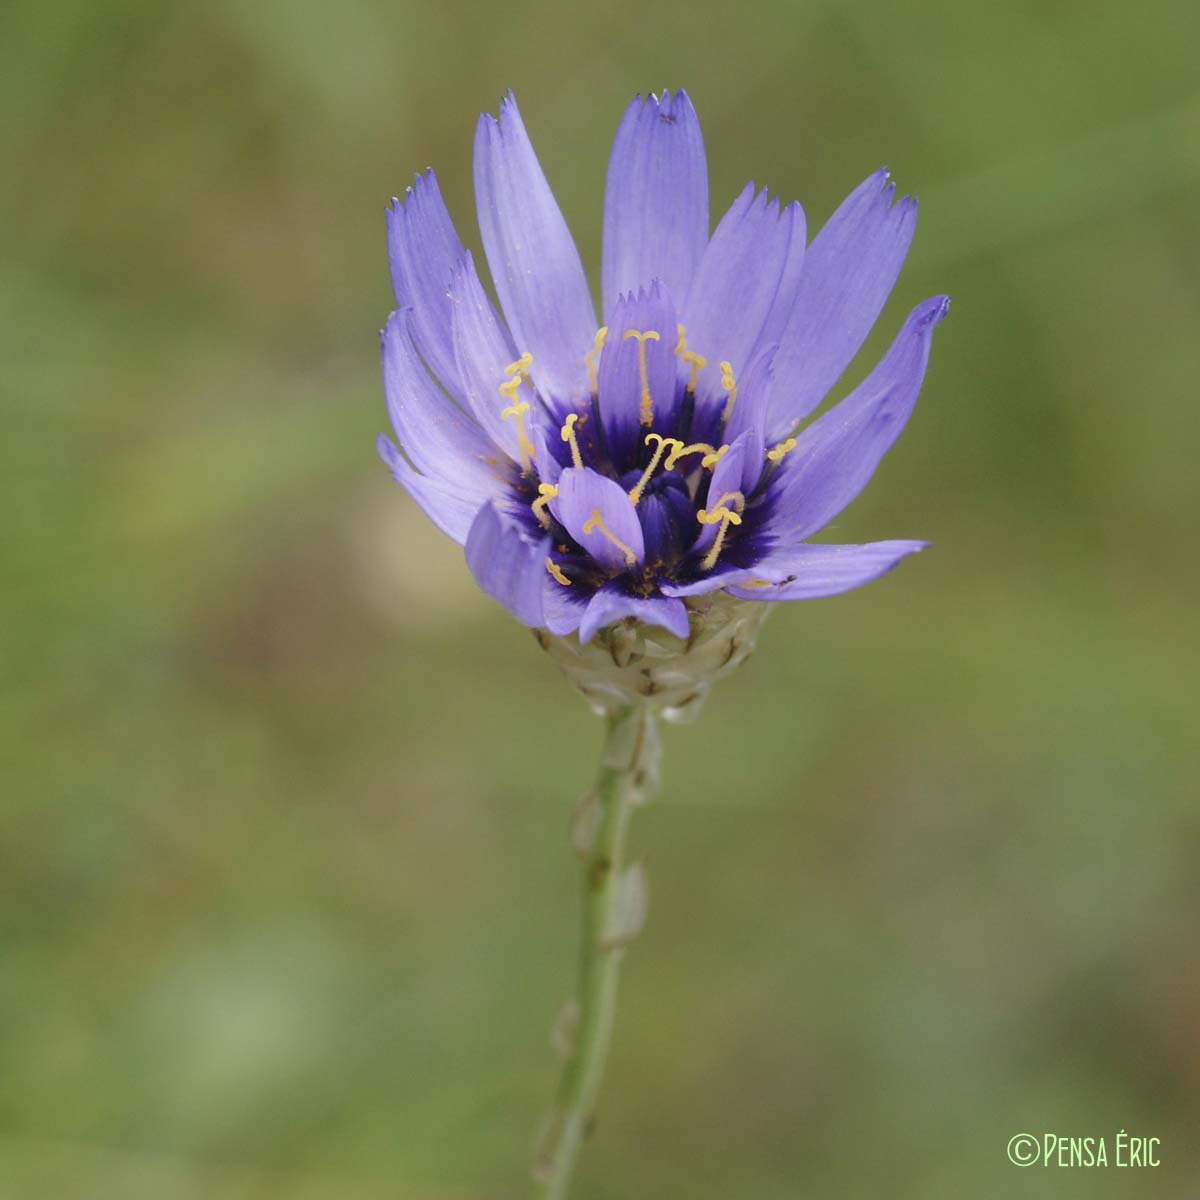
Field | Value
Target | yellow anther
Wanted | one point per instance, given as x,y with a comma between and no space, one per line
697,362
719,512
595,524
710,460
682,451
556,572
646,408
590,358
776,454
518,409
727,517
546,493
756,583
730,385
568,436
521,366
636,494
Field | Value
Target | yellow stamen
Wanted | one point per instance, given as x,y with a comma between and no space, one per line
730,385
682,451
756,583
718,511
595,524
590,358
521,366
646,410
517,372
776,455
727,517
556,572
711,460
696,361
518,409
546,493
568,436
636,494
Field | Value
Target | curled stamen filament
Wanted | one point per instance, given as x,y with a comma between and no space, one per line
516,372
696,361
727,517
682,451
590,358
646,408
710,460
595,524
638,488
521,366
556,572
730,385
776,454
569,436
546,493
518,409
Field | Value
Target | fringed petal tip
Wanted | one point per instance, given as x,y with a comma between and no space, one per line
534,264
933,311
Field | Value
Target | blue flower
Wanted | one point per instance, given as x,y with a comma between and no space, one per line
601,471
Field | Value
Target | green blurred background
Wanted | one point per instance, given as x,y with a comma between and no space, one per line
287,905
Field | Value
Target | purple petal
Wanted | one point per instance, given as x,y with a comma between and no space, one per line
619,378
836,455
450,511
442,443
610,604
737,283
548,466
507,565
482,352
534,263
726,478
656,199
723,575
750,413
849,272
816,571
788,290
423,249
581,494
563,606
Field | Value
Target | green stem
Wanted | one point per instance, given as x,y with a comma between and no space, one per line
612,909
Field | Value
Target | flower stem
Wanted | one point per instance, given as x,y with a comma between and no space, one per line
613,909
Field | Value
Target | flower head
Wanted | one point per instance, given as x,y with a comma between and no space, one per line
602,471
